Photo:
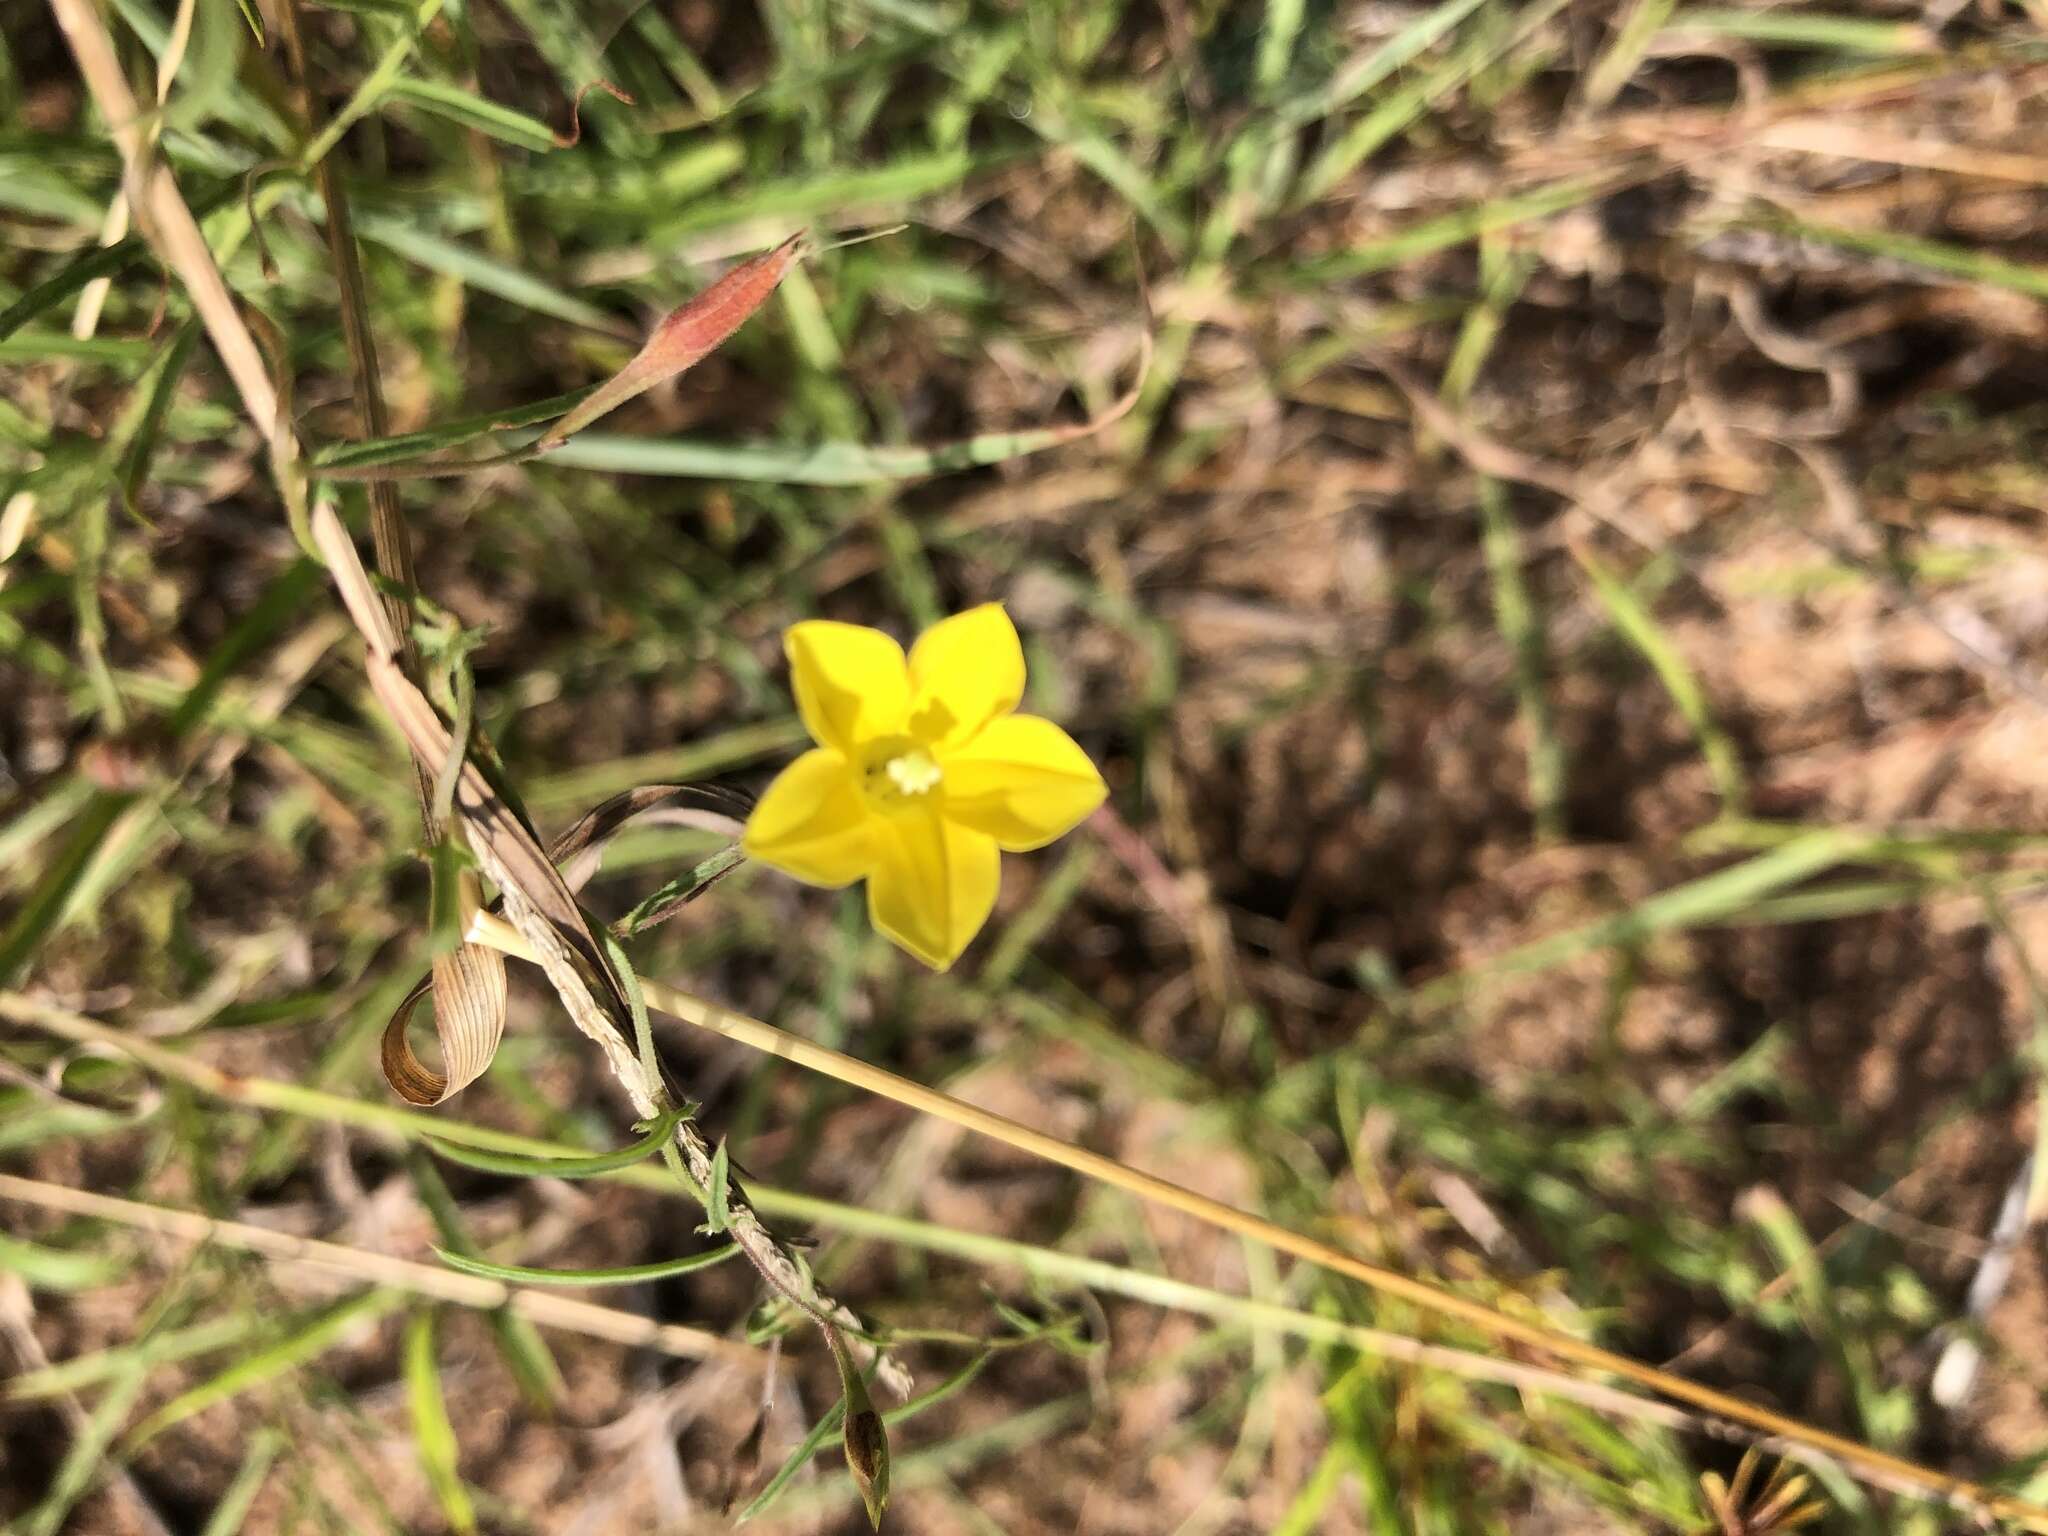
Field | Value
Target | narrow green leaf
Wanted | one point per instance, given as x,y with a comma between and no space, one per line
206,75
282,601
796,463
232,1512
42,346
140,452
56,1269
84,1371
525,1352
105,261
698,760
1396,109
1521,626
1720,897
486,273
661,1130
1640,628
473,111
1809,29
39,914
882,187
718,1209
794,1462
1400,49
432,1435
1304,1515
1454,228
1932,255
680,890
415,445
624,1274
1276,42
28,1123
1633,33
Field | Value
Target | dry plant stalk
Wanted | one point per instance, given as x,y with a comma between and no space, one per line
161,213
556,934
469,983
361,1265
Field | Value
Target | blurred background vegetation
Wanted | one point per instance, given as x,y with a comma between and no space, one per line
1561,624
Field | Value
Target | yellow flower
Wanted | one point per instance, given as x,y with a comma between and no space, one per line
920,774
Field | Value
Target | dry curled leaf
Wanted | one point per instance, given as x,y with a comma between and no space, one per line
468,985
469,990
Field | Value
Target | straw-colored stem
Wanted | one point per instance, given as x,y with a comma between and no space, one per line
1877,1465
365,1267
160,210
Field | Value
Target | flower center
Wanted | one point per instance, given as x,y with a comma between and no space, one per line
899,772
913,772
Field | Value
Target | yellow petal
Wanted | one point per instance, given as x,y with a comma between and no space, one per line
812,822
1023,781
934,886
851,682
964,672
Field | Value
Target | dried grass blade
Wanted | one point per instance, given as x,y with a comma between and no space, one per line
469,1020
715,807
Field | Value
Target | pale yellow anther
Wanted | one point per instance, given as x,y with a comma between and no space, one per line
914,773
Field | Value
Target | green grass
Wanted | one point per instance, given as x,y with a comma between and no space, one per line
1468,908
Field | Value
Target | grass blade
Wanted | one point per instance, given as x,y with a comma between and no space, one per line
432,1435
230,1514
1636,624
1455,228
657,1136
56,1269
486,273
625,1274
1809,29
85,1459
140,452
470,110
413,445
1712,898
526,1353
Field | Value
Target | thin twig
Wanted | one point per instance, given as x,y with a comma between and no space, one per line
361,1264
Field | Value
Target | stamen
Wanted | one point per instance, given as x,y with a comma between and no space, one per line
914,773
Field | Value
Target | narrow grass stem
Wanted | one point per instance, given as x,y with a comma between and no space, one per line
1875,1465
361,1265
